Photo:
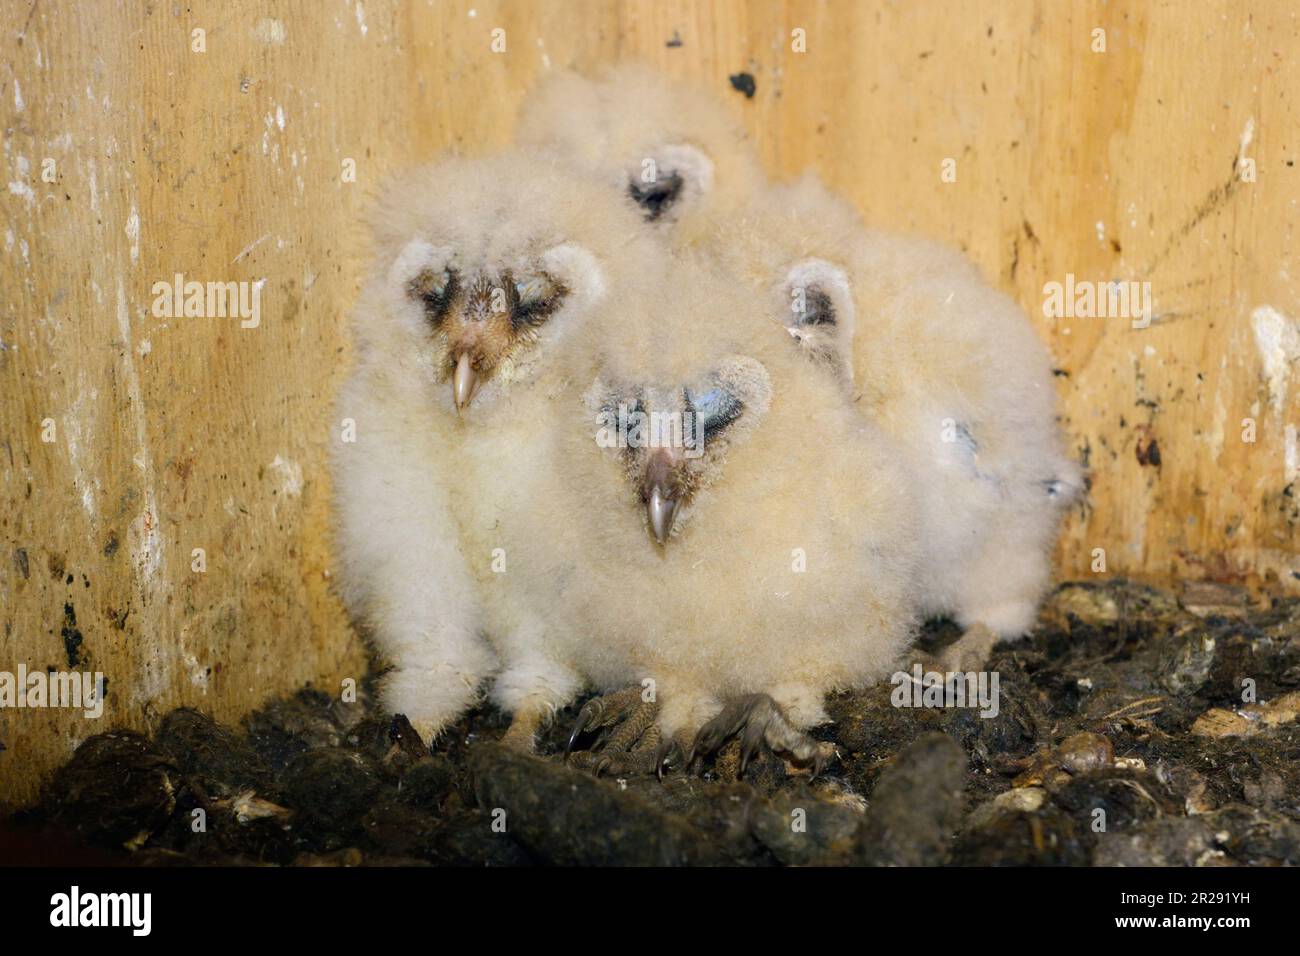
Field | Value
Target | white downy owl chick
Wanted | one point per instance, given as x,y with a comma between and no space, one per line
666,148
949,366
483,270
715,523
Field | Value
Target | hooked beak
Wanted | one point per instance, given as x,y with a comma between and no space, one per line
661,511
661,493
463,381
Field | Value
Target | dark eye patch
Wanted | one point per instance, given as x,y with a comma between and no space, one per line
818,308
636,422
436,290
714,408
532,300
656,198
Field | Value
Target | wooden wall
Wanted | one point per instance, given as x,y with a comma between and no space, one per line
171,434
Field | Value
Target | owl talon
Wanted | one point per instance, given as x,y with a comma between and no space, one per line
759,722
819,764
664,754
627,741
585,716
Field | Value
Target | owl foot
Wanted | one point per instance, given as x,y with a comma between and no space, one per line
756,720
521,735
427,729
970,652
628,741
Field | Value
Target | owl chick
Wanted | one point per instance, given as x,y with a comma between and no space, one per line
944,363
666,148
712,525
483,271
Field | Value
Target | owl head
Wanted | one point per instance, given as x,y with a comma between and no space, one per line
669,149
670,437
485,266
692,410
815,306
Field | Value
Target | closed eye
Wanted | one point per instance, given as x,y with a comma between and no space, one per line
533,299
656,198
715,409
818,309
435,289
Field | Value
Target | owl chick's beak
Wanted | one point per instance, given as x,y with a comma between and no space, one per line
659,492
661,511
463,381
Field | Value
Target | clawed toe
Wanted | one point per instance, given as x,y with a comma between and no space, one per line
602,712
629,741
757,721
664,754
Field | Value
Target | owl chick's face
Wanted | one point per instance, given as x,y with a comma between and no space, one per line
665,145
485,325
671,441
668,180
816,308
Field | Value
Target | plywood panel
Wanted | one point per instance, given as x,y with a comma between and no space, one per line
171,434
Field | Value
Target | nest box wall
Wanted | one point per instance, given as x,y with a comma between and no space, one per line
163,502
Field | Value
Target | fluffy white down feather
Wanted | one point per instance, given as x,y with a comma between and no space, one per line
944,363
418,494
